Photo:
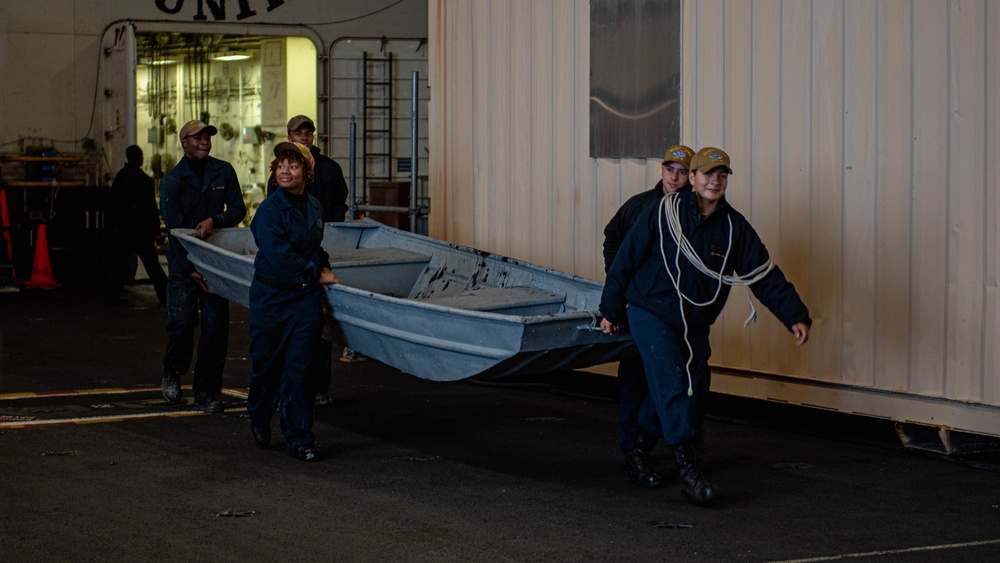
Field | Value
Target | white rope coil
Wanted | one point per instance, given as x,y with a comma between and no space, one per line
670,209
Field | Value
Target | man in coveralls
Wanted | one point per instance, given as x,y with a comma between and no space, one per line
672,303
637,421
201,193
291,270
329,187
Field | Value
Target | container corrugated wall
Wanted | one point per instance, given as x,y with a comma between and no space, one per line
864,138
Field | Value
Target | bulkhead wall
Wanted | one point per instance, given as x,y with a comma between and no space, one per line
864,143
60,53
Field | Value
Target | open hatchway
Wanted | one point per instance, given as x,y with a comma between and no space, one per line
246,86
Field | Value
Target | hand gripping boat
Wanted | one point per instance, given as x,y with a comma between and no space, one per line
433,309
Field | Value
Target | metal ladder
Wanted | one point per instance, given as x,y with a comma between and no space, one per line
376,161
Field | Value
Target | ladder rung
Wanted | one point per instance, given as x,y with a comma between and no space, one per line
377,100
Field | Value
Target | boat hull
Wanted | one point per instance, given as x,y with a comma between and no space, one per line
432,309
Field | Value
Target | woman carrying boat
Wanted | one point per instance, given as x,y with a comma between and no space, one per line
291,269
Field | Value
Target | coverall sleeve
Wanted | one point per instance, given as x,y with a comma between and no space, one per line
338,192
636,245
235,209
614,234
173,217
774,291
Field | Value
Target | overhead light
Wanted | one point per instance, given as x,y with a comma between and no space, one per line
159,62
231,56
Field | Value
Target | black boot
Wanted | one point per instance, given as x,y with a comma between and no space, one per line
171,388
638,466
694,488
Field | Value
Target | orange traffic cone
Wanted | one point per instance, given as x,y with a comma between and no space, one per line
5,228
41,271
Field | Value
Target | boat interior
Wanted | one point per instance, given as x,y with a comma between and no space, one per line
369,258
399,272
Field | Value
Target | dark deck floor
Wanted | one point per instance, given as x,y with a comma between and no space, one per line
521,470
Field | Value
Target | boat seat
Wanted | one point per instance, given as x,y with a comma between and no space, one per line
519,300
375,257
389,271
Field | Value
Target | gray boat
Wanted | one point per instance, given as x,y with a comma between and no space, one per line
433,309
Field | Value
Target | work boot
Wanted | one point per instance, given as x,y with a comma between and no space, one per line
261,435
305,453
694,488
171,389
208,403
638,465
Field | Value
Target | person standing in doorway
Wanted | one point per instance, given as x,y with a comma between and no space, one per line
134,224
201,193
674,271
637,421
329,187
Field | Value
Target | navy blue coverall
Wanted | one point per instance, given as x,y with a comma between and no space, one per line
635,411
638,278
185,200
330,188
286,319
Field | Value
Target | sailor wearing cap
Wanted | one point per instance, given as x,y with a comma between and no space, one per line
202,193
638,425
328,184
674,271
291,271
329,187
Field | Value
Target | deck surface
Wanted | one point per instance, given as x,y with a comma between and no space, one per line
95,468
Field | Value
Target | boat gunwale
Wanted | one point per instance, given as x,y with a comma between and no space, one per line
592,315
423,239
582,314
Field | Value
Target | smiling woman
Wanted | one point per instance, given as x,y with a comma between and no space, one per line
286,317
293,167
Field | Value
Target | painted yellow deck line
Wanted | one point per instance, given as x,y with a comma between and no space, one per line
95,419
76,392
107,418
239,393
